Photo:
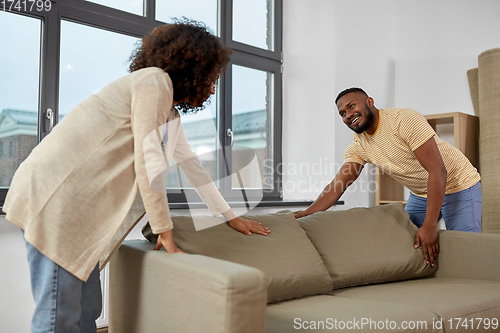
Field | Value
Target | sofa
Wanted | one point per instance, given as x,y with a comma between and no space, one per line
348,270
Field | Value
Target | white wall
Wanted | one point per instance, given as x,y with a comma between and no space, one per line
330,46
308,84
364,49
403,53
436,43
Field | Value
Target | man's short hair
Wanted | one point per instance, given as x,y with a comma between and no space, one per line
350,90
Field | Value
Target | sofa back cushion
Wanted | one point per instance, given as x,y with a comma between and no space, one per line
291,264
366,245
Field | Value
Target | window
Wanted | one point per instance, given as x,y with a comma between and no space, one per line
90,59
201,133
131,6
252,115
86,44
253,23
19,91
205,11
11,149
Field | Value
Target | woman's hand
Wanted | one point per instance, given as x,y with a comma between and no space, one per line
248,226
166,240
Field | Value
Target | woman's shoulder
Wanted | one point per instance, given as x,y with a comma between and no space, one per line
151,76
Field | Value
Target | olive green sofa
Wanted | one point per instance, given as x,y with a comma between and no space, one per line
350,270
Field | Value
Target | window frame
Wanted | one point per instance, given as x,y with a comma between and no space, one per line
118,21
246,60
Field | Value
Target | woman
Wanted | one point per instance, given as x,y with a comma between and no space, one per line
73,193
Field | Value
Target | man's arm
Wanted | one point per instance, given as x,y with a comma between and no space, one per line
347,174
428,155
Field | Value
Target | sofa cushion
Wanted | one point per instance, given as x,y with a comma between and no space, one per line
366,245
464,305
289,261
338,314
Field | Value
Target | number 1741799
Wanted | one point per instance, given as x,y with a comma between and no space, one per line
25,5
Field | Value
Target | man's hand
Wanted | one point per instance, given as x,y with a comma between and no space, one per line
427,238
166,240
430,158
301,213
248,226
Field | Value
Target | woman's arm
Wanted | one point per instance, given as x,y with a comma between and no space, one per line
206,189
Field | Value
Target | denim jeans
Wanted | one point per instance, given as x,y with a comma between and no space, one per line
63,303
461,211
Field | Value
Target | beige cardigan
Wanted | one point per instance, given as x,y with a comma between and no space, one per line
76,194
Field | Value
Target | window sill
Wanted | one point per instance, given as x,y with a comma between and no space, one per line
261,204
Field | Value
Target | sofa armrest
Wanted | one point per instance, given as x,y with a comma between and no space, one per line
154,291
469,255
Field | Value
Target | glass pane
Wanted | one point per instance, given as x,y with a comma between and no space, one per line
199,10
252,155
90,59
19,91
131,6
253,23
201,133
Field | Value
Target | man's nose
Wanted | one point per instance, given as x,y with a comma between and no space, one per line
348,114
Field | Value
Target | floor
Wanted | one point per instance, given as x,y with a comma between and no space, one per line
102,330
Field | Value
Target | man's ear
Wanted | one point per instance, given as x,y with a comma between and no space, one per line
370,102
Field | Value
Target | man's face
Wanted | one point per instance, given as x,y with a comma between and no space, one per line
355,112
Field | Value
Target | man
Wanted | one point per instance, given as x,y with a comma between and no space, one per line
399,141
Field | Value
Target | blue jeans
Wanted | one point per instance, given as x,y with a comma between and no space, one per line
461,211
63,303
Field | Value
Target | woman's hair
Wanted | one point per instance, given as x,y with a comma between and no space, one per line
191,55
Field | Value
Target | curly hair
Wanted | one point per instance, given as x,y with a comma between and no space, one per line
191,55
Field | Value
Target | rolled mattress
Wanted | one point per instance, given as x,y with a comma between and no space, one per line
489,143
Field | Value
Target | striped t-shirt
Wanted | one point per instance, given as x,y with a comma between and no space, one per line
401,131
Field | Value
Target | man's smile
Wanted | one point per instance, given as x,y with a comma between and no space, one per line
354,120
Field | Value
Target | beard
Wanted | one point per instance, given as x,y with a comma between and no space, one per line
367,121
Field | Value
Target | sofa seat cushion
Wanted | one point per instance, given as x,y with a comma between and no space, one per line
448,298
291,264
366,245
318,314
